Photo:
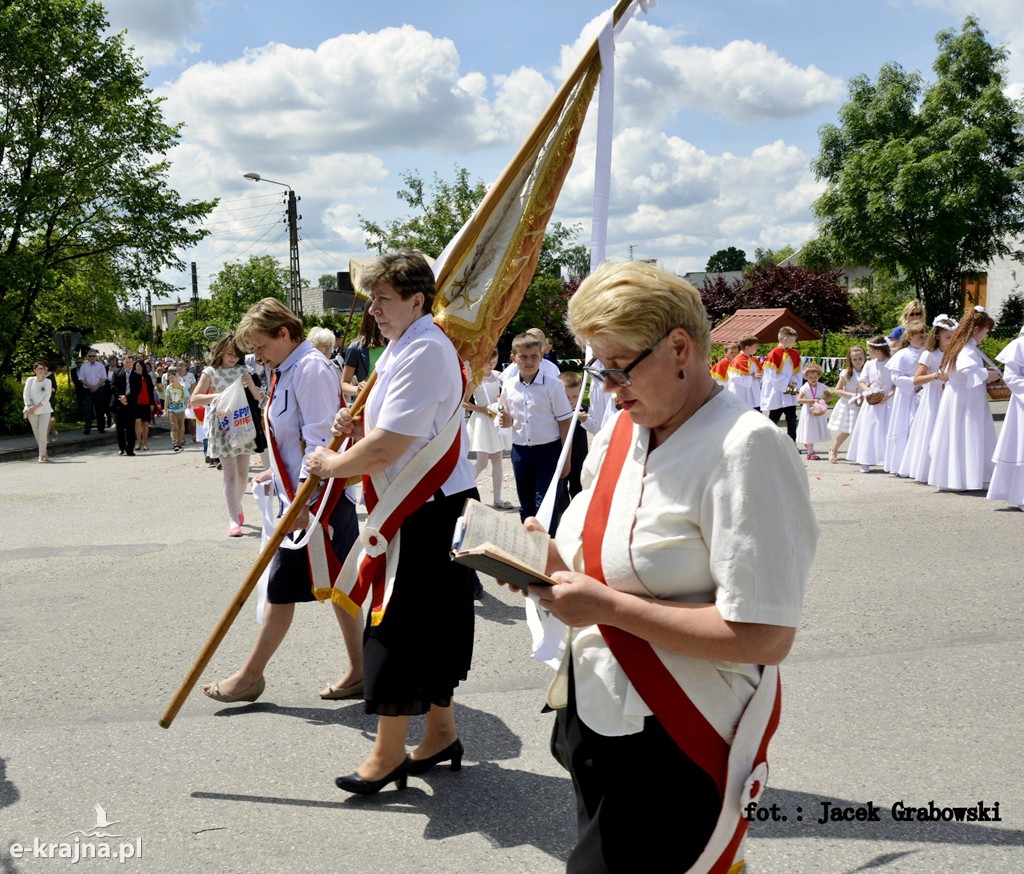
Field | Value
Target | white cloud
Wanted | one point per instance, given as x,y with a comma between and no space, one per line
674,200
341,120
158,29
746,82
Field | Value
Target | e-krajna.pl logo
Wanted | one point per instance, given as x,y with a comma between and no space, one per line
88,846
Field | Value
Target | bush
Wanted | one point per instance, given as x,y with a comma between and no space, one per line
65,408
12,407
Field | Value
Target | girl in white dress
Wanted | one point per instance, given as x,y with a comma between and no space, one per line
902,367
965,436
844,413
1008,476
811,428
867,445
917,457
485,439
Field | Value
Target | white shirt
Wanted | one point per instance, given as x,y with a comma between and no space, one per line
38,392
722,515
418,390
306,399
536,408
92,373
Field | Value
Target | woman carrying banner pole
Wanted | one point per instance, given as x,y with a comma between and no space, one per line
680,570
304,398
418,642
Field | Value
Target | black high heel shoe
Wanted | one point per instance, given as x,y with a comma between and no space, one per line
453,752
357,785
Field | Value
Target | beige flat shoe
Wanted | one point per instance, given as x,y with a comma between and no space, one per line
249,695
340,693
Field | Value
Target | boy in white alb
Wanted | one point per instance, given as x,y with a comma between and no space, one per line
780,380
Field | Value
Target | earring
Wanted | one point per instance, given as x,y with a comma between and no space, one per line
681,374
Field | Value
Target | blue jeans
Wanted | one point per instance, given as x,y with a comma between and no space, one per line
534,466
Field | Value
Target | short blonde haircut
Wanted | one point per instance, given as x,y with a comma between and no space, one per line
526,340
787,331
321,337
268,316
637,305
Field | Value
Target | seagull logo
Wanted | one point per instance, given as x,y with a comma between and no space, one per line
101,823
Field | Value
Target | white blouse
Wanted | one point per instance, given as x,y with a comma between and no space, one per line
418,390
722,515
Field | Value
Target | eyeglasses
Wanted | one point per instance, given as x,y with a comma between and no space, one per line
618,376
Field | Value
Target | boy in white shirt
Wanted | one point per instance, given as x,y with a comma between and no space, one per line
538,412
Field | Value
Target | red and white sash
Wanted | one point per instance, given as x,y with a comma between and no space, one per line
739,768
720,371
324,565
372,563
776,360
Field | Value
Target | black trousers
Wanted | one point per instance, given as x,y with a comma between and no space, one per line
96,408
124,422
790,412
641,802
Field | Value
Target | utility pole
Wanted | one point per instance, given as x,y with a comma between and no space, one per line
295,295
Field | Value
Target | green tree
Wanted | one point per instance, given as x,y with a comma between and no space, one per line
1011,315
82,173
879,300
185,336
770,257
442,209
926,182
726,260
237,286
329,281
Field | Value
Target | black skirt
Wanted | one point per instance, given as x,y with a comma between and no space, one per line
423,647
290,581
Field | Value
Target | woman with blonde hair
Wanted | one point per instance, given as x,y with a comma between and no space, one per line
304,398
676,619
224,370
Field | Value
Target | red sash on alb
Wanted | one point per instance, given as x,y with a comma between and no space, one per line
660,690
720,371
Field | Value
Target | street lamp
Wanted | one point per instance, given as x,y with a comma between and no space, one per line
295,294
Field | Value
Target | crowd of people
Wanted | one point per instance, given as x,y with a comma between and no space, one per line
667,694
914,403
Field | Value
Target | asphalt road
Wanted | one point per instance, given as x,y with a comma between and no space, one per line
903,686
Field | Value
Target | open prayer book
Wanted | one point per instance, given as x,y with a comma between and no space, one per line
497,544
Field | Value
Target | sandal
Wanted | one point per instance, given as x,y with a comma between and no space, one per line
249,695
833,455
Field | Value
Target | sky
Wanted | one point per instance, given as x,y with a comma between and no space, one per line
717,110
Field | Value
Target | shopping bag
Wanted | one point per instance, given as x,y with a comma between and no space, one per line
234,416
